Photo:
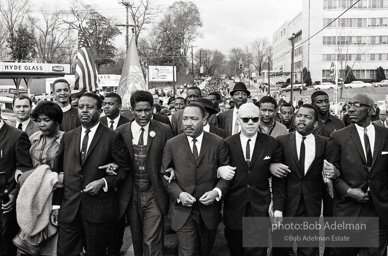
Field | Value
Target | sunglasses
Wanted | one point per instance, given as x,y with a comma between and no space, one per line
246,119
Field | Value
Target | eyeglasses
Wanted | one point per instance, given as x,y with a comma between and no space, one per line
357,104
246,119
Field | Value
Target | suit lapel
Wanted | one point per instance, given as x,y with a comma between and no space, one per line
77,143
294,153
96,138
3,131
256,150
318,150
357,142
128,137
204,147
237,147
378,144
150,139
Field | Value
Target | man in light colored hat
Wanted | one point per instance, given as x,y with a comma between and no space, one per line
382,117
359,152
228,120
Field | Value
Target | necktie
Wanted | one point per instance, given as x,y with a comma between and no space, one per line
248,152
85,145
367,148
141,138
195,150
20,126
302,154
111,124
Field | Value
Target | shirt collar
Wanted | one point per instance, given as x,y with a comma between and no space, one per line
308,137
67,108
206,128
361,129
116,120
24,123
138,127
199,138
244,138
1,123
92,130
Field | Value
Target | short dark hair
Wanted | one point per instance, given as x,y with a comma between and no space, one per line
268,99
286,104
316,94
195,88
22,97
197,105
141,95
310,106
218,96
158,107
180,98
49,109
61,80
94,96
114,95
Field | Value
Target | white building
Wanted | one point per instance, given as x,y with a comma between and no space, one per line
359,39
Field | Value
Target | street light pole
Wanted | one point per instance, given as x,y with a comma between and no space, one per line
127,25
292,68
269,75
192,62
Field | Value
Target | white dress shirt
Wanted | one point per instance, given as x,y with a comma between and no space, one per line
136,131
24,124
371,134
206,128
235,113
309,144
115,122
252,143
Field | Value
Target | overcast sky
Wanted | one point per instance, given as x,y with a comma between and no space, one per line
226,23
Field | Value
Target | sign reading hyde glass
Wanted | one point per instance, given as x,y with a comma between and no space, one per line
9,67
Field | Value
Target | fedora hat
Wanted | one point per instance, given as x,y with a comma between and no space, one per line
208,105
239,87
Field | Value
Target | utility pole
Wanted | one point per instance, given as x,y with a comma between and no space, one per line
292,68
127,25
192,62
269,74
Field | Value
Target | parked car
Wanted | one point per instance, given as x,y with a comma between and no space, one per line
382,83
324,86
357,84
296,87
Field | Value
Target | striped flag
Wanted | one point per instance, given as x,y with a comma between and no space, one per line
132,76
86,79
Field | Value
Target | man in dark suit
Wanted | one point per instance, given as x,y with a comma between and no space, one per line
360,153
382,117
89,206
303,153
193,93
62,93
22,106
112,106
210,110
228,120
196,191
14,155
251,153
145,209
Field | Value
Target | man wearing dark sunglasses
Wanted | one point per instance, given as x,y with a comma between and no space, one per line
251,154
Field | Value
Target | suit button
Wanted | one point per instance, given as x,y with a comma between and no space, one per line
248,186
81,191
82,176
249,171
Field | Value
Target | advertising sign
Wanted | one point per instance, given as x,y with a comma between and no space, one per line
162,73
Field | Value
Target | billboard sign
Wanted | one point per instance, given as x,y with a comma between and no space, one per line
162,73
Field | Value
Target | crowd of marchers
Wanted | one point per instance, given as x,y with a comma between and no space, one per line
73,177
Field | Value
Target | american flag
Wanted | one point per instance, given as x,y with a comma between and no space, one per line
86,78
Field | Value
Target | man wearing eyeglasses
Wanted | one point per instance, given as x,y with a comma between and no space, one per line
251,154
360,153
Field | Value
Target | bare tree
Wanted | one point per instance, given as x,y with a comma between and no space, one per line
13,13
143,12
260,50
53,37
